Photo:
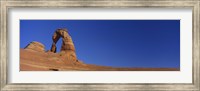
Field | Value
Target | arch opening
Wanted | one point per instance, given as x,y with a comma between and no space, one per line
58,45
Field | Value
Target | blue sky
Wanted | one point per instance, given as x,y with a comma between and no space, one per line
117,43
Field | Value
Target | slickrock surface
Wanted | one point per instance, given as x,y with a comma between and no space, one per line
48,61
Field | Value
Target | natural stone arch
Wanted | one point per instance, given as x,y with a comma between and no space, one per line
67,48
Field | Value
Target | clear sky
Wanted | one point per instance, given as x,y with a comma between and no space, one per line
117,43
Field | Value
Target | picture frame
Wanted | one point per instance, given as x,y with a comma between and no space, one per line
4,44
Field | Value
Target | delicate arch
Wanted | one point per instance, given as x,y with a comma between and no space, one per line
67,49
67,43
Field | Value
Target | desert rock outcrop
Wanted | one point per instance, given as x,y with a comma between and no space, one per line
35,46
67,49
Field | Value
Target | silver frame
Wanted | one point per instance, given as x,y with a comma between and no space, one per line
5,5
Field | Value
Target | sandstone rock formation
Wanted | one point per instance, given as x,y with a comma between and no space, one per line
35,46
67,49
49,61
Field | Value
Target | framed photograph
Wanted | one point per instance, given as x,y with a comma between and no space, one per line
99,45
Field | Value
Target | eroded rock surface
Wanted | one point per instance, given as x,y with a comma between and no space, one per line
35,46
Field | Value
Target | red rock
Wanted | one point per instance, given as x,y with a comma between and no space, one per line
35,46
48,61
67,49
